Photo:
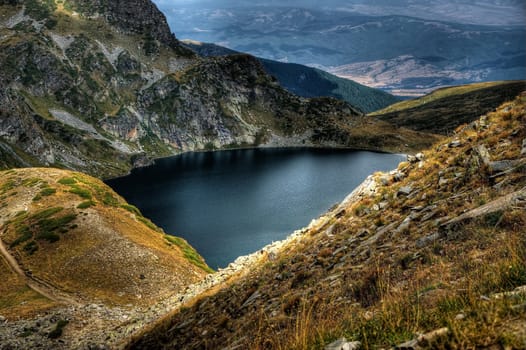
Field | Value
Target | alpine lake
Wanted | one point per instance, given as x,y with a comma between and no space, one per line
232,203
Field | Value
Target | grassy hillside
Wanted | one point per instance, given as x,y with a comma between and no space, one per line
73,238
433,253
310,82
444,109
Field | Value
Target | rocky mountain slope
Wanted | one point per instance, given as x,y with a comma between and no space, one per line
103,103
68,242
430,255
309,82
444,109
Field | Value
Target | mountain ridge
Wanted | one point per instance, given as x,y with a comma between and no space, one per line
309,82
409,56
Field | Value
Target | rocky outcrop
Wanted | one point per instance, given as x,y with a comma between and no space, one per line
136,16
309,82
141,16
17,127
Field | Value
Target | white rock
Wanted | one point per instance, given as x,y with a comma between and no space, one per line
455,143
411,158
343,344
460,317
405,224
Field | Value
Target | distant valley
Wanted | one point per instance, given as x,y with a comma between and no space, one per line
399,54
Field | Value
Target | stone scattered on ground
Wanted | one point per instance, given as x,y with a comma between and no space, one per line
424,340
416,158
455,143
343,344
406,190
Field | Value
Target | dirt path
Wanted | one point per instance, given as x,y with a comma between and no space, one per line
38,286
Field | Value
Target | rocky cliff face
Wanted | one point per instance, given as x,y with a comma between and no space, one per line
105,103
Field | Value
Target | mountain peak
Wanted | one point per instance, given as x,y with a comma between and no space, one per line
136,16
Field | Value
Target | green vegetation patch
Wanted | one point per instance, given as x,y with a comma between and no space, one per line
132,209
31,247
49,227
152,145
43,225
92,192
86,204
109,199
67,181
45,192
81,192
148,223
189,253
24,235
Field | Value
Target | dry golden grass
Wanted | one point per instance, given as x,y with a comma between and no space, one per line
17,299
380,135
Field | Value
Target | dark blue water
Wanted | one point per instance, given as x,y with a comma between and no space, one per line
232,203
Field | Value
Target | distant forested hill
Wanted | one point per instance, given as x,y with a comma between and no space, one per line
311,82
